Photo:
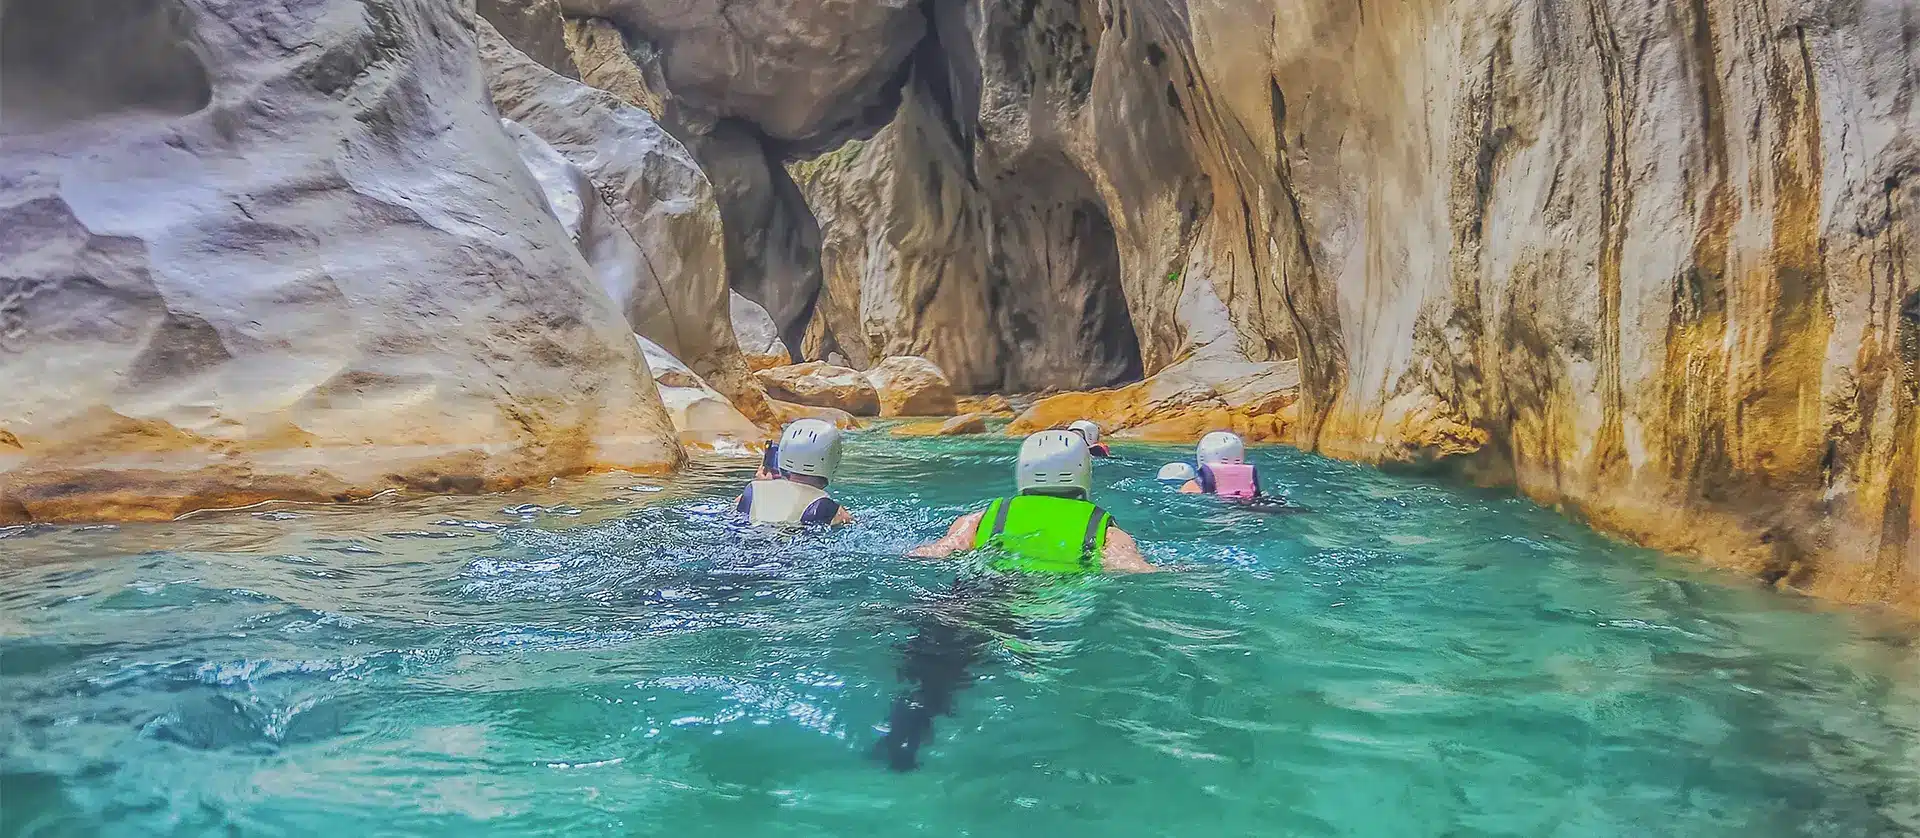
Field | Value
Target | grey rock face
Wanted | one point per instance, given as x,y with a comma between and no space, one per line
772,243
905,251
307,263
759,336
534,27
1007,275
805,75
650,226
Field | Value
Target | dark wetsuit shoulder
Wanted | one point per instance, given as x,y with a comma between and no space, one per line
821,511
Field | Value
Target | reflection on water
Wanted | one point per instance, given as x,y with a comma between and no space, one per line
617,655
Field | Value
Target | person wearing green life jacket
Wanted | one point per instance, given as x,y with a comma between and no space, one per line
1052,525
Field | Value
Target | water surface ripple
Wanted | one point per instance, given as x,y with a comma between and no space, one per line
618,656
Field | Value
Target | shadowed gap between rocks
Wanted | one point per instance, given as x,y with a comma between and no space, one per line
1058,301
68,61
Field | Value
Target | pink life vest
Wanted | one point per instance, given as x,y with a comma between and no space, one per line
1234,480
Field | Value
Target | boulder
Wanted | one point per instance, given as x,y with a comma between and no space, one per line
911,386
1183,403
963,425
244,259
990,405
703,417
759,337
819,384
786,412
748,84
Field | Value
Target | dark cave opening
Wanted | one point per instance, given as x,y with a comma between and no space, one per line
1059,303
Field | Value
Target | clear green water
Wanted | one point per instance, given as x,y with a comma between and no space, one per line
1413,659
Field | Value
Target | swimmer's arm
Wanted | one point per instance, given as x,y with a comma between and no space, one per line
959,537
1192,488
1122,554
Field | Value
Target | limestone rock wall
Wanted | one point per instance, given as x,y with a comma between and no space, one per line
747,86
648,222
286,250
1659,256
905,251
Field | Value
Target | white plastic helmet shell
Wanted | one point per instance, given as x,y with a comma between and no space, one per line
1051,460
1087,430
1221,447
1177,473
810,447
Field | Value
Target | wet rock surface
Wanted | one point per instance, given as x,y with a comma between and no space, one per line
1182,404
964,425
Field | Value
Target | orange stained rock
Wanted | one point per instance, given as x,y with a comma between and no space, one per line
963,425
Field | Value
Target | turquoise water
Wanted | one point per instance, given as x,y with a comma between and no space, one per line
613,656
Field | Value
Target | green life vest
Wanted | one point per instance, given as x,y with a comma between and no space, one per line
1045,534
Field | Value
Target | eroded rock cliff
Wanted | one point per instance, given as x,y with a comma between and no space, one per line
1659,257
1652,263
747,86
284,250
640,209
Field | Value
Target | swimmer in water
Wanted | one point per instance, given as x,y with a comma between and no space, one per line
1177,474
1225,473
1223,469
1091,433
1051,526
805,459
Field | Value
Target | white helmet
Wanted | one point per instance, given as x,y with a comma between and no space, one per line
1087,431
1221,447
1178,473
810,447
1052,460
